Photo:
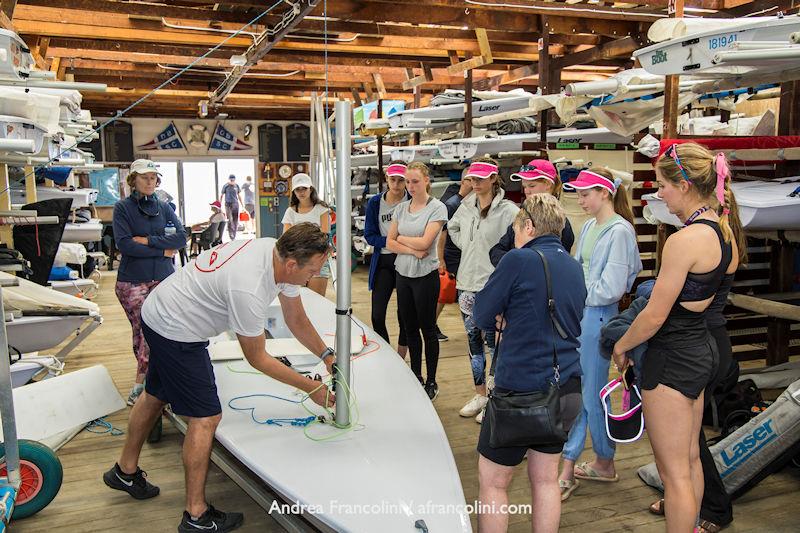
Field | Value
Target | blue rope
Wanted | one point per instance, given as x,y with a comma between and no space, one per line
102,427
119,114
297,422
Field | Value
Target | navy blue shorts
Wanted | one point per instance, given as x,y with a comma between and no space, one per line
180,374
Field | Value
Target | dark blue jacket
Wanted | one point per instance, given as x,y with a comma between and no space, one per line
452,253
142,263
517,290
372,233
506,243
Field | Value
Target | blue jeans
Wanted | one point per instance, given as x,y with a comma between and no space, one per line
475,340
595,376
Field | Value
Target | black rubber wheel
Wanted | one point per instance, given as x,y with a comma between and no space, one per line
41,473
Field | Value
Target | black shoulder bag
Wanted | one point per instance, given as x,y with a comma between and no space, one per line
528,418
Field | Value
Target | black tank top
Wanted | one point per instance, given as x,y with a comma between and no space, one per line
699,287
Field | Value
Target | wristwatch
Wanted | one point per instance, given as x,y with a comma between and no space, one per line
328,351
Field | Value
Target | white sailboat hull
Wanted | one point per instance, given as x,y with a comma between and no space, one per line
478,146
762,206
395,470
421,153
695,52
449,114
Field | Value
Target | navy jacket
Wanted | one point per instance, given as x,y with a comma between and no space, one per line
507,242
452,253
517,290
372,233
142,263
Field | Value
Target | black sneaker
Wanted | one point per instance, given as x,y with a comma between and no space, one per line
211,520
134,484
432,389
441,336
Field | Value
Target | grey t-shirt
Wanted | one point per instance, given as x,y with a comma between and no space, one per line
249,196
385,214
231,192
413,225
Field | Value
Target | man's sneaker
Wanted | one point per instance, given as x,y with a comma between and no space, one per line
432,389
134,395
441,336
134,484
474,406
479,418
211,520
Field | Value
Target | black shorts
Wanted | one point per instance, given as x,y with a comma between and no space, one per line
512,456
180,374
688,369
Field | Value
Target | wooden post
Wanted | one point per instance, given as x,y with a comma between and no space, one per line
468,102
778,329
30,185
671,91
417,102
544,72
6,234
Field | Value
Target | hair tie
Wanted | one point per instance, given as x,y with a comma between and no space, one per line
617,183
721,166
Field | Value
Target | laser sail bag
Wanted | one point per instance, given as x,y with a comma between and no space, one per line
528,418
759,448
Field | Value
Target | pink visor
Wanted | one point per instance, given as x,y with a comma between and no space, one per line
536,170
396,170
481,170
588,179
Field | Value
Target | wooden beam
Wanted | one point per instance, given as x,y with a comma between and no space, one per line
509,77
468,102
766,307
671,92
469,64
483,45
453,56
368,91
7,8
544,74
616,48
381,88
356,97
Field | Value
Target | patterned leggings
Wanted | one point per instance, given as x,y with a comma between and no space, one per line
132,296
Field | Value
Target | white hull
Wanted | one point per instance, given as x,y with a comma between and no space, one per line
479,146
450,114
37,333
73,287
85,232
762,206
371,159
80,197
399,463
421,154
694,53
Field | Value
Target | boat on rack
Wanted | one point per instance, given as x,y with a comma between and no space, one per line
493,145
393,470
763,205
452,114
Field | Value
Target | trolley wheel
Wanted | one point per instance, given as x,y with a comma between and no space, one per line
41,473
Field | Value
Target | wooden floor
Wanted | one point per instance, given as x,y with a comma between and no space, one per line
85,504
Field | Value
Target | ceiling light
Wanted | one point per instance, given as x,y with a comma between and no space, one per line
238,60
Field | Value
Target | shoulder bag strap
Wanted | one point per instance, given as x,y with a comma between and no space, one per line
555,325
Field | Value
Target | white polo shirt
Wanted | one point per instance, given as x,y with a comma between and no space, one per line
226,288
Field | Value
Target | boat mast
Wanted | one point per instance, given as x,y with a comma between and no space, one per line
343,240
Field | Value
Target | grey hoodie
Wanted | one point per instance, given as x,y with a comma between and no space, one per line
475,236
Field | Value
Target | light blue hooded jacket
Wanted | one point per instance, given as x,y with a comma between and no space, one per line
614,264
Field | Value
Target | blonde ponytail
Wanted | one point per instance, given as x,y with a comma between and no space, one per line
622,205
731,225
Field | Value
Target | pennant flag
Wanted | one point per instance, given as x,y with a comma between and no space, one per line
226,141
169,139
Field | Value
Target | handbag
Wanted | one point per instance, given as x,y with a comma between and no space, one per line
528,418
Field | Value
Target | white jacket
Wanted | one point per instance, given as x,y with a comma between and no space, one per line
475,236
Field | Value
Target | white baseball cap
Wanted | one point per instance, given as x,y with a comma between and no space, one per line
301,180
142,166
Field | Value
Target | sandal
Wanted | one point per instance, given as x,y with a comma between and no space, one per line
584,471
704,526
657,507
567,487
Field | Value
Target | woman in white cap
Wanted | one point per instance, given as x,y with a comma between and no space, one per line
538,177
609,254
147,233
305,206
477,225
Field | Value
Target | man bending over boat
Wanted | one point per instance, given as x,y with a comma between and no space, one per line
229,287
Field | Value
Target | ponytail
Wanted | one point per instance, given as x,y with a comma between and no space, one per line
729,222
622,205
557,187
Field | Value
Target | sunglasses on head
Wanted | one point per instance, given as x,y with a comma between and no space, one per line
672,151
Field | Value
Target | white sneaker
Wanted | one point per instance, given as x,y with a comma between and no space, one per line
479,418
474,406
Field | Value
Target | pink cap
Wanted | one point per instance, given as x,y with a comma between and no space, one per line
536,170
396,170
588,179
481,170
